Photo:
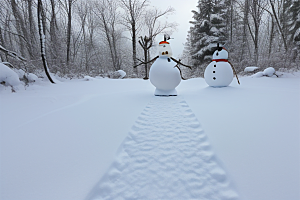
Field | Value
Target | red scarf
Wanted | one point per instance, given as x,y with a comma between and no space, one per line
220,60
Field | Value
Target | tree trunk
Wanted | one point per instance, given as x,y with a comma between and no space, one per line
146,65
271,36
69,32
32,28
42,39
279,26
245,24
22,29
3,58
19,26
53,36
134,47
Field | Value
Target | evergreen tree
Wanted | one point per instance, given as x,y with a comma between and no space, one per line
294,29
209,28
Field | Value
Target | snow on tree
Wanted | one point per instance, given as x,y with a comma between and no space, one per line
294,29
8,77
42,38
209,28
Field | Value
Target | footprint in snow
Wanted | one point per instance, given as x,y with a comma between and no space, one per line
165,156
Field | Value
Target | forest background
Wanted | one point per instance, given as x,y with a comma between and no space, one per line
75,38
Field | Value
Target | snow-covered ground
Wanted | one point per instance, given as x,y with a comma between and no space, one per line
108,138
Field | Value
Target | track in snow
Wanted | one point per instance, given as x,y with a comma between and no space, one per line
165,156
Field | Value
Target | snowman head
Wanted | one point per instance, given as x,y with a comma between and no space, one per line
164,49
220,53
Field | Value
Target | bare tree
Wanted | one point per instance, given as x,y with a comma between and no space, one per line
42,38
134,10
256,12
278,24
54,39
20,26
32,28
109,20
153,28
67,4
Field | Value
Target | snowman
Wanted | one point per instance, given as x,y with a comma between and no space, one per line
165,73
219,73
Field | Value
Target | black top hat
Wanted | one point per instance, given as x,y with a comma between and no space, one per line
218,47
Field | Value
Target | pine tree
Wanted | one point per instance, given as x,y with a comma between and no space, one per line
294,30
209,28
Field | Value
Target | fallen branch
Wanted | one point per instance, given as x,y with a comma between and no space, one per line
8,64
12,54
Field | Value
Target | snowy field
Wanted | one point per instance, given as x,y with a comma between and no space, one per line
112,139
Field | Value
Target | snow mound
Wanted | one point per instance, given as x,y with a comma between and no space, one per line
88,78
270,71
8,76
20,73
250,69
32,77
122,73
118,74
23,75
258,75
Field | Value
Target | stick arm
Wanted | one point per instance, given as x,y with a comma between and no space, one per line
146,62
180,72
237,78
179,63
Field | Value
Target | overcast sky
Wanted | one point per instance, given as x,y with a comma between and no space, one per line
182,16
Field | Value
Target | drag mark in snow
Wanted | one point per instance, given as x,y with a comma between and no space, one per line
165,156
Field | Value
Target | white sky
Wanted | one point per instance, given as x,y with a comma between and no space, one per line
182,16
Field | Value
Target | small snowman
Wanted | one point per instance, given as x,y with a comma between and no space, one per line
165,73
219,73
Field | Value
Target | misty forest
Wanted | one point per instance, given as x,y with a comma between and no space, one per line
75,38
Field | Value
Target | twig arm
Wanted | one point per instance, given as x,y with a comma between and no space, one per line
146,62
180,72
179,63
234,72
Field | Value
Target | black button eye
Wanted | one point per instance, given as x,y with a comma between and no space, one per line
215,65
214,71
214,78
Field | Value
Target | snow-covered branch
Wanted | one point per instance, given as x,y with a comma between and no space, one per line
12,54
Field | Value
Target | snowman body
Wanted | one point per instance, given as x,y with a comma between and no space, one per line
164,76
219,72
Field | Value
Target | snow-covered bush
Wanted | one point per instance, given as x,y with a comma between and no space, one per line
20,73
122,73
88,78
270,71
258,75
26,77
118,74
251,69
8,77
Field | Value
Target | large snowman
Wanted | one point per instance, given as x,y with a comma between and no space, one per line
165,73
219,73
